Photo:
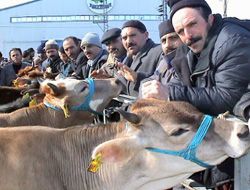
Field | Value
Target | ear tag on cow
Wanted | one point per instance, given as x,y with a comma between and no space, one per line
26,96
95,163
33,102
15,83
65,110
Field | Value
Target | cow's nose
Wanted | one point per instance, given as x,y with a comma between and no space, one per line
243,131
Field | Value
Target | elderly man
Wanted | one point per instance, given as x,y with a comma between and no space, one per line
71,46
53,60
96,55
9,71
145,53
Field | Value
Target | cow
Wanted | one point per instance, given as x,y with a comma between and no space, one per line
48,158
67,102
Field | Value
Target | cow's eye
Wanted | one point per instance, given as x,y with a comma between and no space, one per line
179,132
82,90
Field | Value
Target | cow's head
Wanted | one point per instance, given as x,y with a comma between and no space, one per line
82,95
169,126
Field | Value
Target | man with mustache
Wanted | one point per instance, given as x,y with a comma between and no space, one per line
170,41
218,62
145,55
96,55
53,60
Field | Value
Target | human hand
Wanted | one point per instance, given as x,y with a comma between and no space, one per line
100,74
154,89
128,73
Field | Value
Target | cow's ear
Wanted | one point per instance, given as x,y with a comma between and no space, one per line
116,151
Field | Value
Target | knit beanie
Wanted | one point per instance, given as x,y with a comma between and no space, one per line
51,44
175,5
92,39
165,27
135,24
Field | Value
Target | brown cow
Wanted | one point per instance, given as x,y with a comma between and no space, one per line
46,158
65,94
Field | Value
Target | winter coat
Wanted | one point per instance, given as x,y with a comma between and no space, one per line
219,76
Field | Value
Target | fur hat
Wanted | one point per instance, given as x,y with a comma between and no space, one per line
51,44
165,27
91,38
111,34
175,5
135,24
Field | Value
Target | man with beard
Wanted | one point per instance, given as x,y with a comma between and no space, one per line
9,71
71,46
53,60
96,55
145,55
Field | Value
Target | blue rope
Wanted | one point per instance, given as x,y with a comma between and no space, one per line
189,153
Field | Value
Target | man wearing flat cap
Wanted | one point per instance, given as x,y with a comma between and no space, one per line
145,55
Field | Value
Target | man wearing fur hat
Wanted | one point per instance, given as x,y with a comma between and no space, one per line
53,60
96,55
145,55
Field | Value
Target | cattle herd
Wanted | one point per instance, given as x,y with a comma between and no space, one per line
49,140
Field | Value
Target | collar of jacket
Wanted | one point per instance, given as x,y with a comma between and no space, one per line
143,52
204,59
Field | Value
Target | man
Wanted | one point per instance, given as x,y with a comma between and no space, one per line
117,53
53,60
145,53
9,72
112,39
71,46
170,41
96,55
217,61
65,67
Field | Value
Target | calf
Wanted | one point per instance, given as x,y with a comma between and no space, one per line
46,158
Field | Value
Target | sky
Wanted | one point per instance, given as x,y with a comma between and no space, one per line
235,8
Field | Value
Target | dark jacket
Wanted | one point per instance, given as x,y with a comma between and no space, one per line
97,63
53,64
219,76
8,74
144,64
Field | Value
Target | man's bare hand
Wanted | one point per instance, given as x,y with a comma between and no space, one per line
100,74
154,89
127,73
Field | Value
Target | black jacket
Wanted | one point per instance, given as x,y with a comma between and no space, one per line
219,76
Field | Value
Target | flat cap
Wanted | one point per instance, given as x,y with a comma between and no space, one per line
111,34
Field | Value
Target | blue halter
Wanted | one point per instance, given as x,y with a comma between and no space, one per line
85,105
189,153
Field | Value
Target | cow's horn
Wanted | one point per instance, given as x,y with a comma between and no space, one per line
131,117
56,91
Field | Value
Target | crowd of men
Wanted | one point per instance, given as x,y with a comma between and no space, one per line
203,59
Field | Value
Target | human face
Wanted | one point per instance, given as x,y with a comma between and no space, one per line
63,57
192,28
16,57
116,47
52,54
71,49
170,42
133,40
91,51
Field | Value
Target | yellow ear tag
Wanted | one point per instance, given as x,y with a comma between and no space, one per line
65,111
15,83
33,102
26,96
95,163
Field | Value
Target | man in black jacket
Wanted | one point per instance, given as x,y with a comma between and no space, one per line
217,56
